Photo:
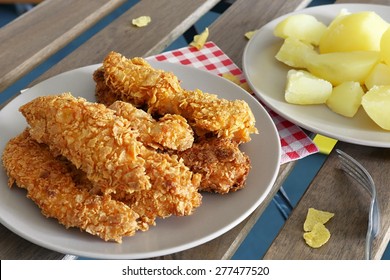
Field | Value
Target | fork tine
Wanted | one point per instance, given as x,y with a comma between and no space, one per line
355,170
356,173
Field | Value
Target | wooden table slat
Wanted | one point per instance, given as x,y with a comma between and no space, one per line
52,25
121,36
233,42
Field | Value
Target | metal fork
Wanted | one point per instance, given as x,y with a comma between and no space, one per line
361,175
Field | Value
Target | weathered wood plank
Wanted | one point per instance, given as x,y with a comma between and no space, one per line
51,25
334,191
167,25
229,30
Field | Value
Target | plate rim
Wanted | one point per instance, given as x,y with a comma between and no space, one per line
156,253
301,123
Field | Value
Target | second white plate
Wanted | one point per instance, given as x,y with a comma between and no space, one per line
267,77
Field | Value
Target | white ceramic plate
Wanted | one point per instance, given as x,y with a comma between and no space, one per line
267,77
216,215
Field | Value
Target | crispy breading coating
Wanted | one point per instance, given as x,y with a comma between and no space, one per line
50,183
103,93
174,188
135,81
170,131
92,137
224,168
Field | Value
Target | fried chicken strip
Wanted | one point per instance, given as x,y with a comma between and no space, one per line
92,137
224,168
50,183
135,81
174,189
170,131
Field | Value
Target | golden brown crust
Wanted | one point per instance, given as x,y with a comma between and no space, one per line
169,132
135,81
103,93
224,168
61,193
174,188
92,137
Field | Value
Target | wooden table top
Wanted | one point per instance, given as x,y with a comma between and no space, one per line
53,24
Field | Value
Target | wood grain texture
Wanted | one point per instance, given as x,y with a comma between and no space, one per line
332,190
33,37
228,32
167,25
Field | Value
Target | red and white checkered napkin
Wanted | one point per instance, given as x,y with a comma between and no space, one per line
294,142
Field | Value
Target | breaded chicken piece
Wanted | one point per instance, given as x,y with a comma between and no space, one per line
92,137
224,168
50,183
170,131
135,81
174,189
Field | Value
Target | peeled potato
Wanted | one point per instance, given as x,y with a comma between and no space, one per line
361,31
353,55
379,76
376,103
305,89
339,67
346,99
302,27
295,53
385,46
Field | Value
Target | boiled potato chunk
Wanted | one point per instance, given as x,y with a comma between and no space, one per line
295,53
339,67
304,88
385,47
302,27
346,99
361,31
379,76
376,103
